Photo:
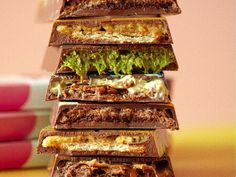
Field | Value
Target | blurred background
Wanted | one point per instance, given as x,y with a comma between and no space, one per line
204,86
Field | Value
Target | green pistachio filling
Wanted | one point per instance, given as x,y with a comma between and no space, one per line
117,61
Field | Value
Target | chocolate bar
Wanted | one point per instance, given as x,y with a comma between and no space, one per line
121,59
145,30
151,143
65,166
73,115
115,88
78,8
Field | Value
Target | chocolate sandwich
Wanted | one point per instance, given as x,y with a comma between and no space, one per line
111,30
117,59
152,143
109,88
85,8
73,115
65,166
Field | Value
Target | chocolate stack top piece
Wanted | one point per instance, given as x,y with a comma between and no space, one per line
83,8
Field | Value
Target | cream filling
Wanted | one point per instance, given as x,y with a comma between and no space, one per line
61,103
91,143
155,89
56,89
114,37
121,83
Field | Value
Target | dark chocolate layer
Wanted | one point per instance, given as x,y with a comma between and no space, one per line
146,30
72,115
78,8
104,143
65,166
128,88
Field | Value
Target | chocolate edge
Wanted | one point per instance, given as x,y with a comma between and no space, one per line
163,106
54,34
48,131
133,11
119,160
64,50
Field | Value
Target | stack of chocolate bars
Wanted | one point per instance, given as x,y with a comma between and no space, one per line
114,106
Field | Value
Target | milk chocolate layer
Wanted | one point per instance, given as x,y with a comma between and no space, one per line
104,142
123,88
78,8
146,30
65,166
72,115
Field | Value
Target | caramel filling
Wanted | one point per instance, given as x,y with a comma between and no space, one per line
134,31
95,168
93,143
